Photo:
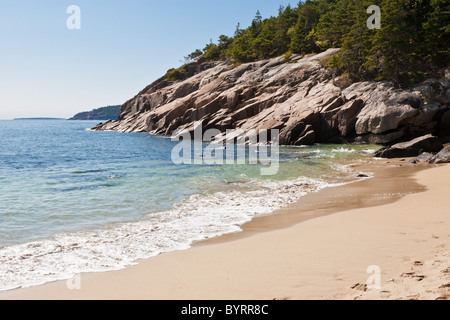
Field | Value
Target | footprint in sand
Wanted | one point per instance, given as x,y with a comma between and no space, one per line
413,275
419,277
360,287
407,274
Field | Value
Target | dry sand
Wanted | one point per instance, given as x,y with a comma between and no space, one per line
320,248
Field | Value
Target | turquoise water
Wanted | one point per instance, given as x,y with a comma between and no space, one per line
74,200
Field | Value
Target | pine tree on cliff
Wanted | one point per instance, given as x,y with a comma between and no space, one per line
302,34
413,39
263,44
287,17
357,42
336,23
391,45
437,32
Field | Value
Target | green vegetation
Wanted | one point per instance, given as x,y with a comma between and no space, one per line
413,41
104,113
177,74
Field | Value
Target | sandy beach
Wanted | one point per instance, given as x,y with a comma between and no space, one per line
392,230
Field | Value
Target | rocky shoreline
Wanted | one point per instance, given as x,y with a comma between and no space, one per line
296,96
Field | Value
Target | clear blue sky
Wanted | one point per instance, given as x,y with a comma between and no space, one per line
47,70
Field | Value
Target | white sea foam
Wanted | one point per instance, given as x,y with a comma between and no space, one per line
341,168
114,247
345,150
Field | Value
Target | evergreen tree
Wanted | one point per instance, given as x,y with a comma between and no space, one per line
437,33
357,42
391,45
336,23
287,17
413,39
263,44
256,26
302,34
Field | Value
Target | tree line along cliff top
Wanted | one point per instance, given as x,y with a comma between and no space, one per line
411,45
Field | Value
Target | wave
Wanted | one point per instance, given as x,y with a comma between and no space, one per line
114,247
344,150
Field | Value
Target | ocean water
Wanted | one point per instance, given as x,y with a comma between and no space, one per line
74,200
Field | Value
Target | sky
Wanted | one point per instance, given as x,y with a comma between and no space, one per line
49,70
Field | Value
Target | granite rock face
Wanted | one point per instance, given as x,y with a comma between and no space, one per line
442,157
297,97
424,157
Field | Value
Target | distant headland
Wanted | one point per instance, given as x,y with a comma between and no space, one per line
104,113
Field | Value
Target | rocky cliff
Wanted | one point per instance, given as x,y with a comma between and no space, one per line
296,96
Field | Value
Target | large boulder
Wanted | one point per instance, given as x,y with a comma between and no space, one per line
441,157
425,118
291,132
382,118
413,148
344,120
444,124
424,157
435,90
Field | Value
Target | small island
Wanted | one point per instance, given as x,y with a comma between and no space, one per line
39,119
104,113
